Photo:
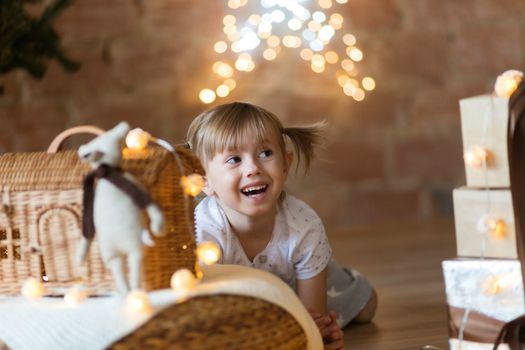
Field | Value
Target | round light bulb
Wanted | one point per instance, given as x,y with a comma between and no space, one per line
137,139
32,288
493,285
207,95
476,156
208,253
138,301
508,82
192,184
183,281
75,295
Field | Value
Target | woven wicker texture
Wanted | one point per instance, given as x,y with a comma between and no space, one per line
41,215
219,322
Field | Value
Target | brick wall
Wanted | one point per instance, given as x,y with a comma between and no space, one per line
395,156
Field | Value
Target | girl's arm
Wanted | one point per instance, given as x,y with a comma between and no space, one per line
312,292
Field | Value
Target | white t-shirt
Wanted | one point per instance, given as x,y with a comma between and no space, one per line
298,248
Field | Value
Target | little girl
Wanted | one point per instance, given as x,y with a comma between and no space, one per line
246,212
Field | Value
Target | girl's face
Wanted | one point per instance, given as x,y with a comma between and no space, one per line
248,180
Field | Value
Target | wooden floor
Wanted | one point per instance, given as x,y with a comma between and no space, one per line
403,262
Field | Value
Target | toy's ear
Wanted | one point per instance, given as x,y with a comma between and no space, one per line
207,188
121,129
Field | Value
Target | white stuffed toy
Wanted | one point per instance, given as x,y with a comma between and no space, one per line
113,209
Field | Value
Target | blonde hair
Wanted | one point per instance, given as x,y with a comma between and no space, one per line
231,125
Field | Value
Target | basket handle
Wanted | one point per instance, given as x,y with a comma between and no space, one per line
82,129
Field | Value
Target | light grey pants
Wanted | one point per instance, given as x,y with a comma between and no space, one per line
347,292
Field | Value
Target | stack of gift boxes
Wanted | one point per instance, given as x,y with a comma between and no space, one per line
484,287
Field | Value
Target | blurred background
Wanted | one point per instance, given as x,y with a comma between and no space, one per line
395,155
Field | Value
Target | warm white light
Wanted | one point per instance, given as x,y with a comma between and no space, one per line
319,16
137,139
229,20
194,183
306,54
291,41
349,39
476,156
316,45
265,27
223,69
254,19
317,69
208,253
341,1
326,33
493,285
309,35
249,41
295,24
273,41
347,65
220,47
138,301
207,95
222,90
318,60
359,95
336,20
507,82
355,54
230,83
342,80
331,57
369,83
278,16
32,288
314,26
183,281
229,29
75,295
269,54
326,4
349,88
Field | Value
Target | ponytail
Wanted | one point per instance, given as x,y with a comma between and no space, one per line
304,141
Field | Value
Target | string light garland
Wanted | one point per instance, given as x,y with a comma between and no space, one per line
313,29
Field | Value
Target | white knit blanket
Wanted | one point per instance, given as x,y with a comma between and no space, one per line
96,323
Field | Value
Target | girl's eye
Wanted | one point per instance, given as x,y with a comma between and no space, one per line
233,160
266,153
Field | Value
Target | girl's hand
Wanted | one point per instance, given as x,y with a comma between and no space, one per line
333,336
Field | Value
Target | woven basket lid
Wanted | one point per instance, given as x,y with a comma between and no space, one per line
64,170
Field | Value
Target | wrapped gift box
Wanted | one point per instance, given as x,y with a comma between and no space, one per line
471,207
492,291
484,122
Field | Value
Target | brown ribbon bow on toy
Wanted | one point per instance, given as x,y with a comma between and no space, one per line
114,175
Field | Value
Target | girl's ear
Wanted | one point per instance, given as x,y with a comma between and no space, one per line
207,188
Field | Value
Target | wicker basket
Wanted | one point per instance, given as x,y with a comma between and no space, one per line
41,218
218,322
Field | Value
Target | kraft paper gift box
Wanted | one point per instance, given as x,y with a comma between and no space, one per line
470,207
484,121
492,291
